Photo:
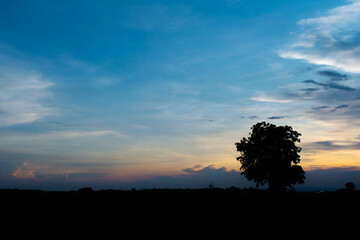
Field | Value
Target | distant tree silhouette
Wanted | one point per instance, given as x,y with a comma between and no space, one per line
269,156
349,186
85,189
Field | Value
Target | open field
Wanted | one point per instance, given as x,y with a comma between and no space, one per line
178,214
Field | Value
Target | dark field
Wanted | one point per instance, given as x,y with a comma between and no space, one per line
179,214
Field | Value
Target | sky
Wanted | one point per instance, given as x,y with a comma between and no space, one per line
154,94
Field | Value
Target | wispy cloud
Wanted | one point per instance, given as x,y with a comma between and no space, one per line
75,134
159,17
232,3
275,99
332,39
77,63
23,95
106,81
70,134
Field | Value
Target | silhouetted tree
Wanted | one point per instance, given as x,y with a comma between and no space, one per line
349,186
270,156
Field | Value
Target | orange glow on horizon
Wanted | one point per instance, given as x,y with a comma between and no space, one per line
331,159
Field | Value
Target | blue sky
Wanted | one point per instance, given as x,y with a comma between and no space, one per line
119,93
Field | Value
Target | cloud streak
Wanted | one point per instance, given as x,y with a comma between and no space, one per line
79,134
333,75
330,85
282,97
333,145
320,107
276,117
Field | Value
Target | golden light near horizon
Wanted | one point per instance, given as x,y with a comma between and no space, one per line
331,159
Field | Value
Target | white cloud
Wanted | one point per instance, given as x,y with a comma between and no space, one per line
22,96
346,60
337,18
332,39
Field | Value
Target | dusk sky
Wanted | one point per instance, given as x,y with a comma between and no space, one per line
121,94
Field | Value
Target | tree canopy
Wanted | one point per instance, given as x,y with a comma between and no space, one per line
270,156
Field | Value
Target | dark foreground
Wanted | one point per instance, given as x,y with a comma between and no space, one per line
179,214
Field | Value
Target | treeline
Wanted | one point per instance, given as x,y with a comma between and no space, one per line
179,214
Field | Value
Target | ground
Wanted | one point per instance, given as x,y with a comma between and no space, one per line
179,214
